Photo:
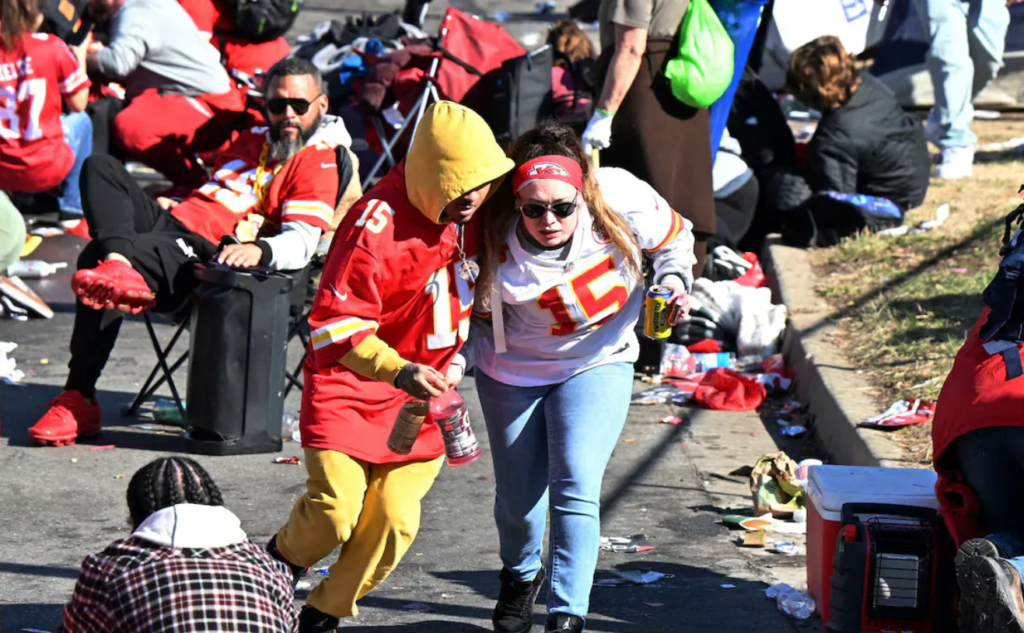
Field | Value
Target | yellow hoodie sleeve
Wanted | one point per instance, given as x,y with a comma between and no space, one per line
374,359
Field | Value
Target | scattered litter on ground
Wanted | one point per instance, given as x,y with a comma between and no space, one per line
290,427
673,420
757,538
632,577
119,476
987,115
101,448
657,395
294,459
145,427
322,571
655,604
793,431
803,470
44,361
34,631
930,381
791,601
941,215
20,301
902,413
543,8
728,586
787,549
764,523
74,460
9,372
303,584
447,595
773,486
958,271
625,544
629,440
166,411
500,16
419,607
530,39
34,268
734,520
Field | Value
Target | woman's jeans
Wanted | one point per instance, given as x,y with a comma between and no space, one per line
967,39
78,133
551,445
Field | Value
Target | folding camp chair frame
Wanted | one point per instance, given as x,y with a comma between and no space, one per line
414,116
166,371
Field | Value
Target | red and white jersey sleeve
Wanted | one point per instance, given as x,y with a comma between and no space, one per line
70,73
311,197
562,317
664,235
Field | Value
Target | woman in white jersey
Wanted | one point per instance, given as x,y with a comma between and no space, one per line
561,284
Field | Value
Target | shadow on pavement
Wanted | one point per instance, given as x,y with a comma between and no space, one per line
39,616
22,405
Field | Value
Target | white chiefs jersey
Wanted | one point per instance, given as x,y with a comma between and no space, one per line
562,317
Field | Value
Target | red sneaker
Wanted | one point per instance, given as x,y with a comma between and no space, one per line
113,284
70,417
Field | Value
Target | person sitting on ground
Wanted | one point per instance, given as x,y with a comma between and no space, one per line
978,453
215,20
865,143
186,567
571,81
179,99
273,189
39,73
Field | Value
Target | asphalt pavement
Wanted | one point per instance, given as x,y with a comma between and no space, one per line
669,482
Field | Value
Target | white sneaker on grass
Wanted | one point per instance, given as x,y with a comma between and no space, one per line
956,163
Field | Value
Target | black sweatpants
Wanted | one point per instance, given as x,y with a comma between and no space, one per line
124,220
992,461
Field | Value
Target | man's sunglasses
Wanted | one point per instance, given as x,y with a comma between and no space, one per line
278,105
536,210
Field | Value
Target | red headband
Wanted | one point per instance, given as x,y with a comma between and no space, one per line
548,168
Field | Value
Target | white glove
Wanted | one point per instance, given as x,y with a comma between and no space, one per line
598,134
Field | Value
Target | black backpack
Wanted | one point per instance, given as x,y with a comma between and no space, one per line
520,93
1005,295
263,20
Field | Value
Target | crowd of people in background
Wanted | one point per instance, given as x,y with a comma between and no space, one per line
498,245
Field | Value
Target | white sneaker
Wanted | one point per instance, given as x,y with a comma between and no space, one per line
956,163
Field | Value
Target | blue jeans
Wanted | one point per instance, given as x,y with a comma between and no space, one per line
78,133
551,445
967,40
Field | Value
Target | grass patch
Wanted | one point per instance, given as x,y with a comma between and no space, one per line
904,305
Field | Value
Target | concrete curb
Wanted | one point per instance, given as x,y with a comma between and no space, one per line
837,396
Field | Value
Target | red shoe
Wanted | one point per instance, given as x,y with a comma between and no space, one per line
70,417
80,229
113,284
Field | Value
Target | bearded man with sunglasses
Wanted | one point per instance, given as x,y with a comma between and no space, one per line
273,194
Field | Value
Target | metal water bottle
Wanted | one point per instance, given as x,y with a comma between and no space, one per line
407,426
452,417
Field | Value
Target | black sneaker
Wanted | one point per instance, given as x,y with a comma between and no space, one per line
297,571
514,611
998,596
313,620
968,599
564,623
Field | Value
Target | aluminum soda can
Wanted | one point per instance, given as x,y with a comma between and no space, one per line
657,321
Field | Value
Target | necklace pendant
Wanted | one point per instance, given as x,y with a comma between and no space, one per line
469,271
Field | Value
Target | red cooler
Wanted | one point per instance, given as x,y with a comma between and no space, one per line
829,488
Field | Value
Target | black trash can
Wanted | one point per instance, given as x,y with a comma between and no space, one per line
237,360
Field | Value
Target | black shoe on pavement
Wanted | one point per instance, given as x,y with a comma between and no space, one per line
297,571
564,623
315,621
514,611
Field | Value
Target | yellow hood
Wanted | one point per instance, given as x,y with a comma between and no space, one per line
453,152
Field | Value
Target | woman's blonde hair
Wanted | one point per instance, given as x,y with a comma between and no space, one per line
822,74
549,138
17,18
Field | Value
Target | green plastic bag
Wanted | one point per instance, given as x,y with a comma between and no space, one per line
702,69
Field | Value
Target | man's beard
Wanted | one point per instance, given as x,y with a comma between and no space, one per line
283,148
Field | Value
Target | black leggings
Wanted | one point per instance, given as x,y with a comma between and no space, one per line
124,220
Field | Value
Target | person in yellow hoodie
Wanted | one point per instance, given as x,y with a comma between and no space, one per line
388,320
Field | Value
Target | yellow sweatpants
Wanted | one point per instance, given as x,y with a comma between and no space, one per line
372,510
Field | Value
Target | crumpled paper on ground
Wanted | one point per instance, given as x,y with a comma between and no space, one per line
9,372
774,488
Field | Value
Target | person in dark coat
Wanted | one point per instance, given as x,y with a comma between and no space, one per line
865,143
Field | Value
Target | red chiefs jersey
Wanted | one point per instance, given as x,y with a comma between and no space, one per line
303,188
217,22
34,78
390,271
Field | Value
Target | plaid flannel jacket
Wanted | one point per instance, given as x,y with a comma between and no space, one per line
140,587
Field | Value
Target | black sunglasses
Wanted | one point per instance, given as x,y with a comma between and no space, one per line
536,210
278,105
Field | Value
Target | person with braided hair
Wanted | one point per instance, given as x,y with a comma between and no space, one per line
187,565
